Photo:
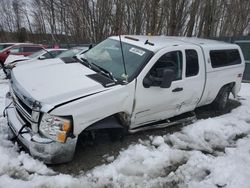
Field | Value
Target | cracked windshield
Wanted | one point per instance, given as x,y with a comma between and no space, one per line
108,55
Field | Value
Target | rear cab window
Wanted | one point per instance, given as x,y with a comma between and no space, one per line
222,58
192,62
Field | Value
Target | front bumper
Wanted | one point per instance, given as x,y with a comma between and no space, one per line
47,150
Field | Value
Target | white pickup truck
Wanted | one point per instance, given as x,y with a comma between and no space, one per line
128,82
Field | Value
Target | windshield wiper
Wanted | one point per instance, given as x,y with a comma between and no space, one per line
98,68
86,62
104,71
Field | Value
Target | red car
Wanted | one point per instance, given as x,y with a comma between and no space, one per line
19,49
5,45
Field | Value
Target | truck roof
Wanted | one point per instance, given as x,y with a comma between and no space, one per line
156,43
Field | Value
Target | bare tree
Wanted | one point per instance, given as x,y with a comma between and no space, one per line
94,20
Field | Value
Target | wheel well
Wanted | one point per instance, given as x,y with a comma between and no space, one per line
115,126
219,103
118,120
229,85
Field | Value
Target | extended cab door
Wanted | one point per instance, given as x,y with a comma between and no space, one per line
155,103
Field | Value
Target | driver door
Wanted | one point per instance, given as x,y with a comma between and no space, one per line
155,103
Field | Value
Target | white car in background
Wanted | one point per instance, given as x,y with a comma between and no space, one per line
73,52
41,54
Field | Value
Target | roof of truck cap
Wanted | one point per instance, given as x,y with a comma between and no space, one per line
156,43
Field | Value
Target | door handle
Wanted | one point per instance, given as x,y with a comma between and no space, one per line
177,89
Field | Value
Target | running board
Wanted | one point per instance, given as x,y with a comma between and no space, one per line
183,119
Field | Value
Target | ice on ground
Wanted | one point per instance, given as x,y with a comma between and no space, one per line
157,140
209,153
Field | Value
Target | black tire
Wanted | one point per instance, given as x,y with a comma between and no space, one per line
116,134
221,100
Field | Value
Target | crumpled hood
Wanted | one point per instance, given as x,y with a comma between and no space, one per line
53,82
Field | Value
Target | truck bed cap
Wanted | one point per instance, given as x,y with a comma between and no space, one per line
156,43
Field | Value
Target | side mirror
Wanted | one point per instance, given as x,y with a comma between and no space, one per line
147,82
167,78
7,52
164,81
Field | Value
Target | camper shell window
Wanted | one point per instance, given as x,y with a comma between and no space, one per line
221,58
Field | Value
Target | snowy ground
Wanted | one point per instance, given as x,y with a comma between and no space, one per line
209,153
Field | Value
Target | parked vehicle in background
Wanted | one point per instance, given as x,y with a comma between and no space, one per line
73,52
4,52
131,83
5,45
16,60
24,49
41,54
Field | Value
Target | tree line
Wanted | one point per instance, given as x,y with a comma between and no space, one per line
94,20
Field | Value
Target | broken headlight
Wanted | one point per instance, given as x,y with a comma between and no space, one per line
55,127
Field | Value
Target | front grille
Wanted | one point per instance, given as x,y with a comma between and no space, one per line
27,123
23,110
24,106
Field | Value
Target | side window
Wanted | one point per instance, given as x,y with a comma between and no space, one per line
50,54
55,53
171,60
31,49
221,58
15,50
192,63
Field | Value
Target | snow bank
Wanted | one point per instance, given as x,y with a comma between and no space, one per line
208,153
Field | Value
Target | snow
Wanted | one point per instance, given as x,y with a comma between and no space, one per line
209,153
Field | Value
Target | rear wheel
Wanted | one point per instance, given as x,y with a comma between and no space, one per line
221,100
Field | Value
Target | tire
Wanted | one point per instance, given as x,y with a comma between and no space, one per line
116,134
221,99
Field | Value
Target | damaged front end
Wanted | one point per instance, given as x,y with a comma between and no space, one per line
46,137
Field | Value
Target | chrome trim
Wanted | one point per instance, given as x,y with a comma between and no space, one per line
35,116
19,107
42,148
33,113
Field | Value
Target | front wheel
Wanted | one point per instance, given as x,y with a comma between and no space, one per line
221,100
